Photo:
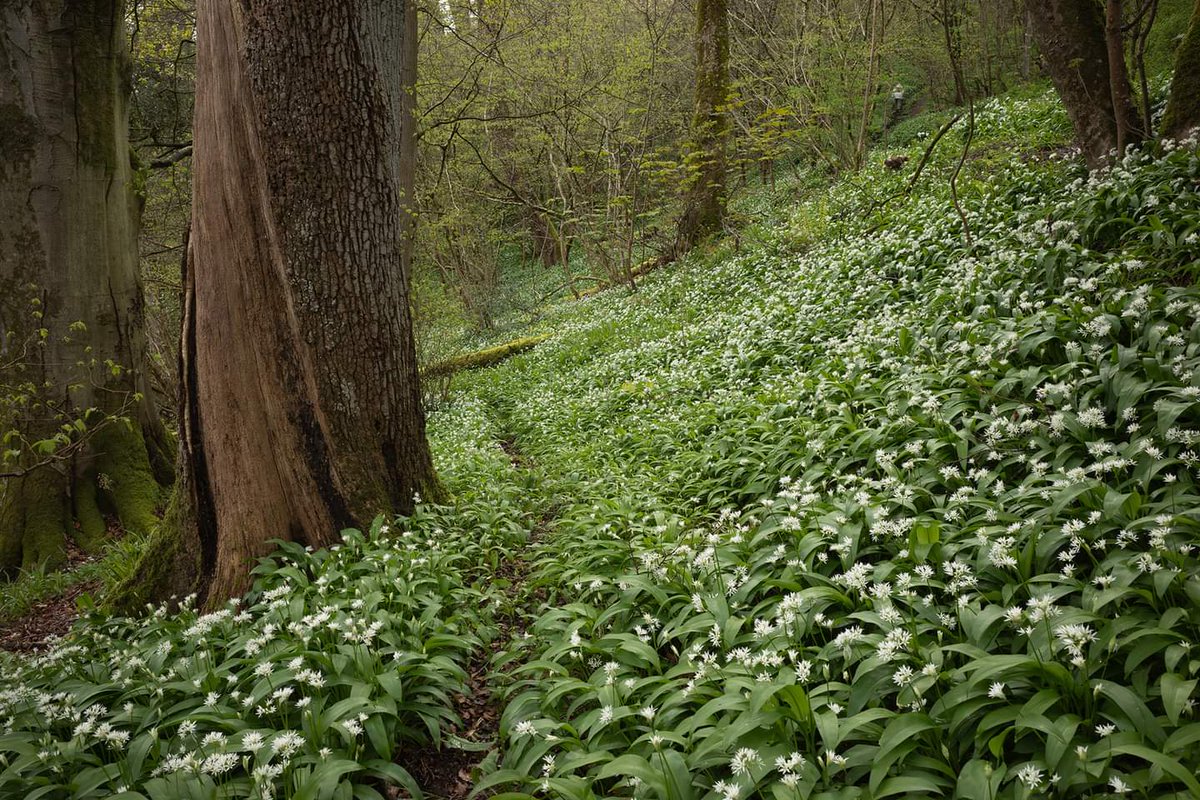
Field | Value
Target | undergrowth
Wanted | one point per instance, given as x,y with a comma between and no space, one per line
866,503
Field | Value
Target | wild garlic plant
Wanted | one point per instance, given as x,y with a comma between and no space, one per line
306,688
885,515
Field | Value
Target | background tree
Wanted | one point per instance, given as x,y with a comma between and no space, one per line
82,440
704,205
301,410
1183,105
1077,48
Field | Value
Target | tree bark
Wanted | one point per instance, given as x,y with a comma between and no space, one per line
1183,106
1118,76
71,302
1071,36
704,204
302,411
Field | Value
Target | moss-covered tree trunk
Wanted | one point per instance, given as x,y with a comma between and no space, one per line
302,411
1183,106
72,342
704,203
1071,37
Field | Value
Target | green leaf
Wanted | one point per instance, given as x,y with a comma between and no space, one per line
899,738
1175,693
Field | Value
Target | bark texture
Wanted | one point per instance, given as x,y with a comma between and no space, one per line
301,406
1071,37
1128,130
1183,106
68,251
704,205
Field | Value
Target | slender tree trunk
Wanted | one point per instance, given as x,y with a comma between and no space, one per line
1183,106
1118,76
1071,36
868,101
704,205
69,282
302,411
1027,42
952,32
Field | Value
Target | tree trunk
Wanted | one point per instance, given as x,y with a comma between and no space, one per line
1118,76
302,411
1071,36
704,204
71,303
951,18
1183,106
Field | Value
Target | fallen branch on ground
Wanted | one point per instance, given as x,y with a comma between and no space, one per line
482,358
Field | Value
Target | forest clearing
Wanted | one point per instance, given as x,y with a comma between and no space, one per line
681,428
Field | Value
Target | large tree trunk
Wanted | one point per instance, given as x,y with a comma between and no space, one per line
302,412
1071,36
704,205
71,307
1183,106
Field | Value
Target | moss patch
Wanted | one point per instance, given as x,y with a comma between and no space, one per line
483,358
1183,107
124,476
34,519
90,528
166,565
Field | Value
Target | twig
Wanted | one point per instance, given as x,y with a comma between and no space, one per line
958,169
912,182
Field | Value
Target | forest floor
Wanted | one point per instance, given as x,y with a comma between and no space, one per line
855,506
46,605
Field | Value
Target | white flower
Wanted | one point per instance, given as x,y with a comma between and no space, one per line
996,692
743,760
1030,775
287,743
524,728
727,790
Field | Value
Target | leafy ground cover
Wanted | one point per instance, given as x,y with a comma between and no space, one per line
885,502
878,515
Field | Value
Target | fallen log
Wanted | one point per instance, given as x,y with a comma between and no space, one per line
482,358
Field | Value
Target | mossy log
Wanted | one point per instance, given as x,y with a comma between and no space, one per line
482,358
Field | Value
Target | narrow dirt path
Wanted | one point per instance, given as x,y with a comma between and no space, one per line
448,773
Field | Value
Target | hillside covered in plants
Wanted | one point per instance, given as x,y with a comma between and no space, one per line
893,494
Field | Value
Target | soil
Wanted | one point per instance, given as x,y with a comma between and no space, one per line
49,618
28,632
447,773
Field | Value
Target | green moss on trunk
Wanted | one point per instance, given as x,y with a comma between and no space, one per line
482,358
124,475
90,527
35,519
169,564
1183,106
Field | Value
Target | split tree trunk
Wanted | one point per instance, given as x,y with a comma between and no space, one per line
704,205
1071,36
302,412
68,251
1183,106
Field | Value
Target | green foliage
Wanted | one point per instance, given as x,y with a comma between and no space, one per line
857,511
885,515
306,686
